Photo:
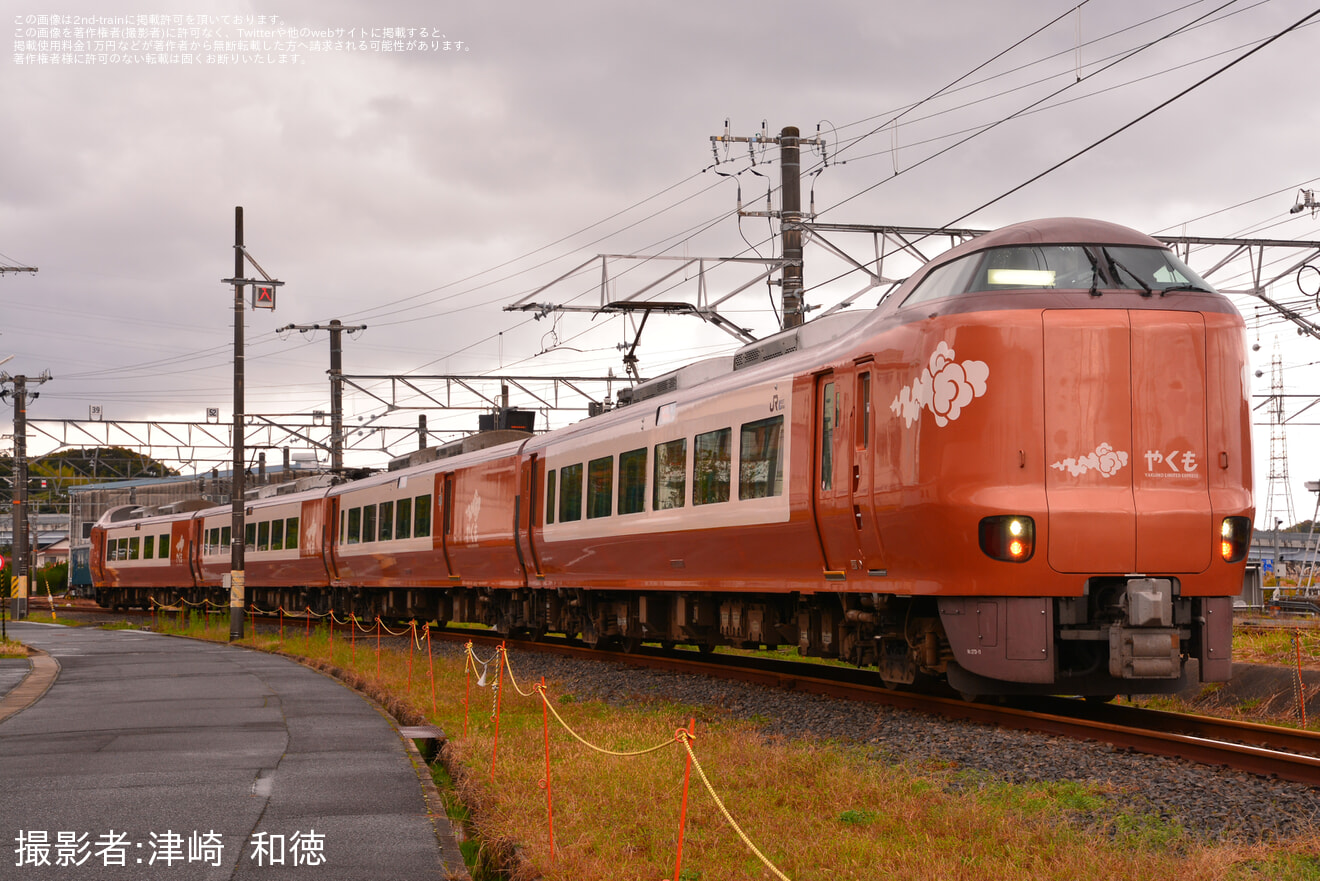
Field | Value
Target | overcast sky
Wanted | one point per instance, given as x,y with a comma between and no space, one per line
496,145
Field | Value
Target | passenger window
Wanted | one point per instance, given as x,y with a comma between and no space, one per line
369,523
761,459
354,525
422,517
710,467
148,546
570,493
249,536
133,548
291,534
226,534
632,481
163,543
403,519
600,487
387,521
263,536
670,488
550,496
277,535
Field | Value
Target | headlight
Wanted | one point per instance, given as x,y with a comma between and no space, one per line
1008,537
1234,537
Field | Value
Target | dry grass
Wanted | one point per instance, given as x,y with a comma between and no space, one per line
1275,645
12,649
816,810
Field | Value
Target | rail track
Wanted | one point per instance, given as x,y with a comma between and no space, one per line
1266,750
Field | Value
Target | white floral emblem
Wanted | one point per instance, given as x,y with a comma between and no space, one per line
943,388
1105,459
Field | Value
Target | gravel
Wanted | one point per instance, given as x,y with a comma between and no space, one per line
1209,803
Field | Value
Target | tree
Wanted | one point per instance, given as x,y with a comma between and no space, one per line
67,468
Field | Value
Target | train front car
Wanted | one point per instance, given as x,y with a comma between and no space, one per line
1063,468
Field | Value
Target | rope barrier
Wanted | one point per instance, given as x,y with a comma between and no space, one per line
473,664
600,749
686,739
512,681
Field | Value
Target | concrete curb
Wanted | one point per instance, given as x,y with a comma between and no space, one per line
43,670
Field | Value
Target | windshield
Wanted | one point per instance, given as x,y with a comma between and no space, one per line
1154,268
1059,267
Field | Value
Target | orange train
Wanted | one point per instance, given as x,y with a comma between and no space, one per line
1027,471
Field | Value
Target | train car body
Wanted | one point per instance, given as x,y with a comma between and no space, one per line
1027,470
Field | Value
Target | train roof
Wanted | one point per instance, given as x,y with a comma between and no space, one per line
1049,231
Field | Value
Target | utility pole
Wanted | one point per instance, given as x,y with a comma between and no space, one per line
336,328
237,573
790,213
22,551
263,297
790,216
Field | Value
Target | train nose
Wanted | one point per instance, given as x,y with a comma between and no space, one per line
1125,437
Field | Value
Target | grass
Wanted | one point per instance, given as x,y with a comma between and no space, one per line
1275,645
814,809
12,649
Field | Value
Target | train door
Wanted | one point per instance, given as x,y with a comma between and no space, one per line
445,502
863,471
332,534
97,557
195,551
833,491
528,509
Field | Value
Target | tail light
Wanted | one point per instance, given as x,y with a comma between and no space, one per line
1008,537
1234,537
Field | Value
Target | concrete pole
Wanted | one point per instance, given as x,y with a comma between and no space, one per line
22,553
791,198
336,396
237,585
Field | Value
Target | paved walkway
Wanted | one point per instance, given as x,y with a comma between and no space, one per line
160,757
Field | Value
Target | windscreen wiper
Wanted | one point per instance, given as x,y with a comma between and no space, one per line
1186,286
1115,266
1095,272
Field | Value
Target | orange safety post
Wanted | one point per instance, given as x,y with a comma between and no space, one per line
307,630
1301,686
281,625
377,646
252,622
467,683
180,612
331,622
352,639
549,802
680,735
431,659
499,693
